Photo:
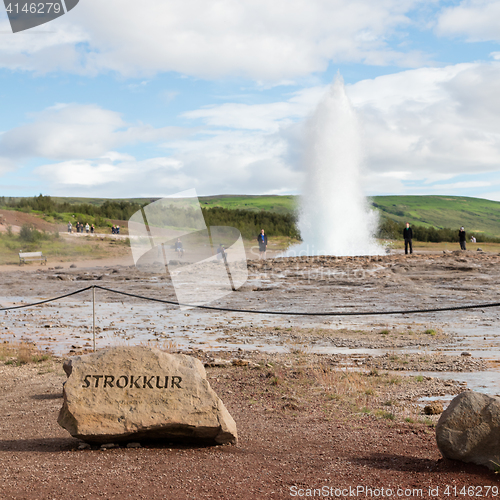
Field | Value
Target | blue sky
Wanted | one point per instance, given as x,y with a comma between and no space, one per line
112,100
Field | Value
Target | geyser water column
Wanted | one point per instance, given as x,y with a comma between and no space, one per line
334,217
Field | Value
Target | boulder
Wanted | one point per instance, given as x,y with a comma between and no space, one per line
469,429
128,394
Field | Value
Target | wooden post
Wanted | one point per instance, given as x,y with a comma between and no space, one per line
93,315
228,271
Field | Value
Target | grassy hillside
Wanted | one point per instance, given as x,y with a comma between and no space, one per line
277,204
98,201
475,214
478,215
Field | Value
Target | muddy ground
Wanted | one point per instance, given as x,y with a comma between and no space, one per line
304,417
347,285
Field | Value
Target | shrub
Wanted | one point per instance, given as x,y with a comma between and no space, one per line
29,234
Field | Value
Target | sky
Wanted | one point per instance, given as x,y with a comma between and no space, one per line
121,98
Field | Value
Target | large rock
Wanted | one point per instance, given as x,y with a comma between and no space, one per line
137,393
469,429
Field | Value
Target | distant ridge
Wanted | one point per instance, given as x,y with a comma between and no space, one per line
440,211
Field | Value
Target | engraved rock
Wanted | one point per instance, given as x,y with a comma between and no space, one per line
469,429
128,394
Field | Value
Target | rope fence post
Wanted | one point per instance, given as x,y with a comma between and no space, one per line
93,315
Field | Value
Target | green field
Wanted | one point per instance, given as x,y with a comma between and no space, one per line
278,204
476,214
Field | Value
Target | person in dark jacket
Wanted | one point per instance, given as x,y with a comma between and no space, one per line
262,239
462,237
178,247
408,235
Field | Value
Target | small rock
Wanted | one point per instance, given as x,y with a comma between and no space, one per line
73,266
108,446
433,408
466,354
84,446
218,363
240,362
134,445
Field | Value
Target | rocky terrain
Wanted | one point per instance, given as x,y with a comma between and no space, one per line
319,401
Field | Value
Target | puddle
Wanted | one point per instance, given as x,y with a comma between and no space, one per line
66,325
429,399
487,382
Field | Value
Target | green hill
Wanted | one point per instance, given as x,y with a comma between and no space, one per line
476,214
278,204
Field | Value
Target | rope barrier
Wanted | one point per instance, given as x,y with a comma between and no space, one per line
253,311
292,313
46,301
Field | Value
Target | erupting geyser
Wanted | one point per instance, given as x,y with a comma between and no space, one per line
334,216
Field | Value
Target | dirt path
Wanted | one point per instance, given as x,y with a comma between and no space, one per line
17,219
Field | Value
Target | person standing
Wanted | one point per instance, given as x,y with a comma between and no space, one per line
70,227
262,239
461,237
221,252
408,236
179,249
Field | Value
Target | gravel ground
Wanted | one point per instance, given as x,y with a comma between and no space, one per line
304,420
300,426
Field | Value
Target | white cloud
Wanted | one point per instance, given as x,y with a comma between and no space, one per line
6,165
432,121
258,39
69,131
264,117
425,125
43,49
475,19
218,173
493,195
460,185
112,168
420,127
